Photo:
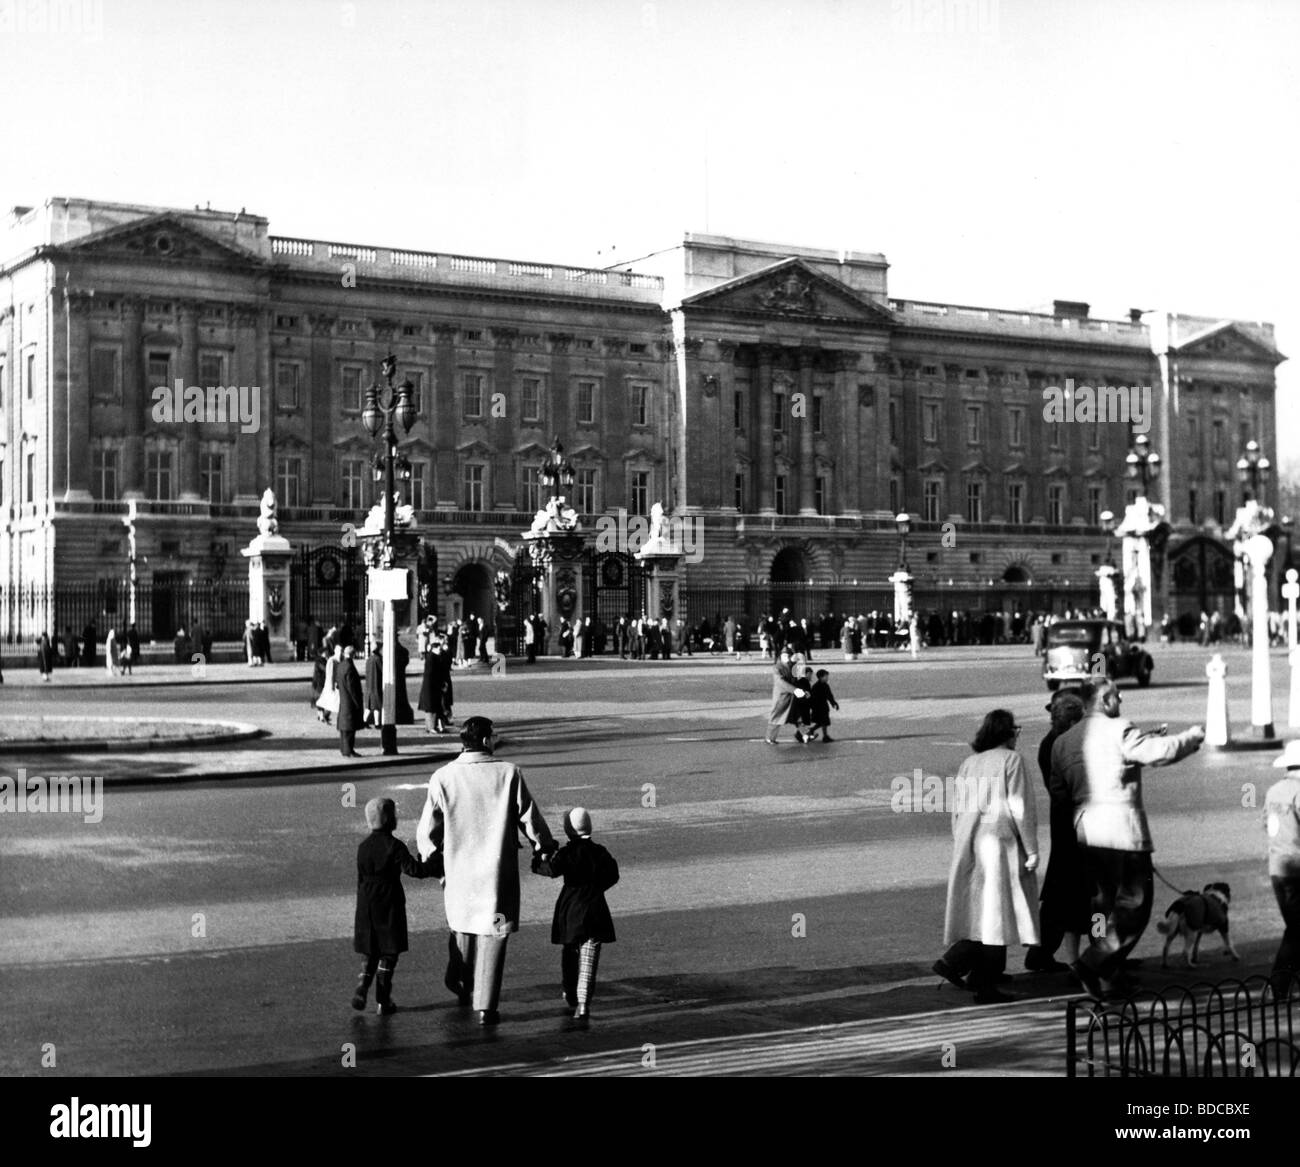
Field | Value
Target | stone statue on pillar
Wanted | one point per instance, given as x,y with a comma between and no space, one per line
268,558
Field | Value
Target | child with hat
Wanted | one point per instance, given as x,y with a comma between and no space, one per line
380,930
820,701
582,921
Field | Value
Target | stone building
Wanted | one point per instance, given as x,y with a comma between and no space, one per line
776,395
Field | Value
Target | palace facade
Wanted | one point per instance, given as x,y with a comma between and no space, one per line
776,395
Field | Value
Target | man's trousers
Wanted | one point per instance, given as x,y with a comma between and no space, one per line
1286,965
1123,890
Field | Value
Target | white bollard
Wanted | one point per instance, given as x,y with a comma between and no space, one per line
1293,712
1216,709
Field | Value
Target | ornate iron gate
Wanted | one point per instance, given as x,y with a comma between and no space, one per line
616,586
327,584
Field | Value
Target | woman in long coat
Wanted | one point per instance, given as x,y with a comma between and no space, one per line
992,889
45,656
785,691
328,702
351,708
435,700
374,687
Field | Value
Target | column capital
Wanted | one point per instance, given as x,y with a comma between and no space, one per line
384,328
321,324
504,337
727,349
561,342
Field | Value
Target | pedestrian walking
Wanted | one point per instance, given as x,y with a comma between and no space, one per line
45,656
379,932
530,639
474,813
992,892
250,643
435,690
131,653
328,702
110,652
374,688
1282,821
351,706
1063,914
820,702
89,643
582,923
785,690
318,686
1100,762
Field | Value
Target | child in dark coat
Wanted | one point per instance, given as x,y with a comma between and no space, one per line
582,921
380,931
820,701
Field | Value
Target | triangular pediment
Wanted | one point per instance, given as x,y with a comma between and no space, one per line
476,448
162,239
1228,340
792,289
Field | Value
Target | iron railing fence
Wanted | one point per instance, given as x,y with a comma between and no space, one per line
1231,1029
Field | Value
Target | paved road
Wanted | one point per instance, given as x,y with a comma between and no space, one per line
204,927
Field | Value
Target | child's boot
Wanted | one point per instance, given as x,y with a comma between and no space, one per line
384,991
588,962
363,989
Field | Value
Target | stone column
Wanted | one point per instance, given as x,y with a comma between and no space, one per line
848,447
320,389
74,465
502,428
189,430
249,483
135,402
765,467
443,419
807,466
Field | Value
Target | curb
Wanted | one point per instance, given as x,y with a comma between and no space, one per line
378,763
239,731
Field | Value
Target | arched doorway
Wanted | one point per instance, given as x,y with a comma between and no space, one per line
1015,574
473,583
789,575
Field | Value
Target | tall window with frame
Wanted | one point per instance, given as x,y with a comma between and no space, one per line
1221,507
1016,427
1094,506
778,413
640,403
1094,435
974,502
31,374
530,398
819,494
738,409
416,379
1056,434
287,375
1016,503
584,492
1056,503
586,402
817,414
352,379
288,480
417,485
894,494
159,368
212,476
638,492
930,421
475,487
103,477
471,390
31,477
1193,434
893,424
974,424
534,500
158,474
212,369
740,491
354,483
1193,505
930,500
778,492
105,374
1216,438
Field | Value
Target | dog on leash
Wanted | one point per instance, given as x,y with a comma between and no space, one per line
1195,914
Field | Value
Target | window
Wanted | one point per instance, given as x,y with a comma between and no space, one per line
636,348
738,409
1056,504
819,494
930,500
930,421
584,492
893,496
1054,434
419,479
1094,506
411,330
586,402
212,369
471,386
354,477
530,393
416,378
212,477
740,490
779,493
286,386
974,502
352,378
1015,503
1193,502
472,334
103,477
288,479
972,374
31,477
31,375
286,322
640,404
160,369
893,421
929,370
639,492
1094,435
778,413
974,424
533,497
1016,427
158,474
817,414
1220,507
474,493
105,374
1216,437
1193,433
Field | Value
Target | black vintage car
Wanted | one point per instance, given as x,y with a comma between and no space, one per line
1083,650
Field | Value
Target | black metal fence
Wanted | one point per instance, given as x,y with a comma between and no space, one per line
1232,1029
161,608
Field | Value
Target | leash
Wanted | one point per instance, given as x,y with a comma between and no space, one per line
1170,886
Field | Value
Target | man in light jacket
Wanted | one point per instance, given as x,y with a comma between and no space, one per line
1100,761
473,815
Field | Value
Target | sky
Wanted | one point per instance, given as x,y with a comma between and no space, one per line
999,152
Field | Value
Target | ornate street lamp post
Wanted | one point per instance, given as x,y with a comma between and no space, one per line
1252,471
902,577
1143,524
1109,600
1254,549
903,521
1143,462
556,542
385,405
557,472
